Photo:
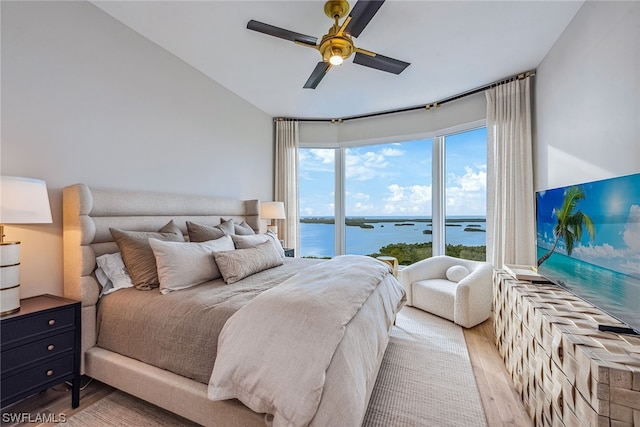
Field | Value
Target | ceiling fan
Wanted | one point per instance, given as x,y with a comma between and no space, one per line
337,45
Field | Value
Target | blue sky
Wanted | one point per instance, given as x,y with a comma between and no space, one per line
395,179
614,207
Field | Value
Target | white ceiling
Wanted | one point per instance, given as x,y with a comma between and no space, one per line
453,47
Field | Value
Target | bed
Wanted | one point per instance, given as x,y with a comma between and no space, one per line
169,365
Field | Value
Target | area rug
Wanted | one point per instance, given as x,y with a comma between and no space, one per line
425,379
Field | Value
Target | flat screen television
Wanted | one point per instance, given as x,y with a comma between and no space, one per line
588,242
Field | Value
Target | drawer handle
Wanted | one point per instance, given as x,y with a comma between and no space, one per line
50,347
50,372
52,322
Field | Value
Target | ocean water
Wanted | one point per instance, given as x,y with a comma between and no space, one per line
613,292
318,239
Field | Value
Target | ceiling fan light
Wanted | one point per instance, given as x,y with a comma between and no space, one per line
336,59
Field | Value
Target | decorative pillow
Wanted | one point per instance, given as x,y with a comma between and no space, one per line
244,229
112,274
457,272
238,264
182,265
137,254
204,233
244,242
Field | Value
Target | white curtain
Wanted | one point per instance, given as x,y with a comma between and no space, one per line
510,198
286,180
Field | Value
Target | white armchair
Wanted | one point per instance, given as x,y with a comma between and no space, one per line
457,289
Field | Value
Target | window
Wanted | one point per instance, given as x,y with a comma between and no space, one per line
388,199
316,181
381,197
466,194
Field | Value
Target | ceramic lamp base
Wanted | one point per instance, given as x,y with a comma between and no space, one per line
9,277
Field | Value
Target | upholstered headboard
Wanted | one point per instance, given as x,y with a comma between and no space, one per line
89,213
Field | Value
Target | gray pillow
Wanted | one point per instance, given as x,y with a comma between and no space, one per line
243,242
243,229
204,233
137,253
240,263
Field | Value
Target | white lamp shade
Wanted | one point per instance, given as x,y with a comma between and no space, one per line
272,210
24,201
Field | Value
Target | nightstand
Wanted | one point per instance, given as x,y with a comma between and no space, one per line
40,348
290,252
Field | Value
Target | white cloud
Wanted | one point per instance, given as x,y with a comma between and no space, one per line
409,200
315,160
361,208
467,194
631,233
600,251
326,156
392,152
364,166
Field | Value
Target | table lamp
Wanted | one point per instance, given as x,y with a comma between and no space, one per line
272,211
22,201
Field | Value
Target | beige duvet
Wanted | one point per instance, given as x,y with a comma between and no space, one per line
275,352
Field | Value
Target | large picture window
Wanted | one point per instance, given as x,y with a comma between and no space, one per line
378,199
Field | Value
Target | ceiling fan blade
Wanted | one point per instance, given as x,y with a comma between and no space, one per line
317,75
281,32
361,14
379,62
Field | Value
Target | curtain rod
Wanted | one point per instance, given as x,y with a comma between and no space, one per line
436,104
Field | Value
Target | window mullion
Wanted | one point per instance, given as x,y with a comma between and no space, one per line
339,201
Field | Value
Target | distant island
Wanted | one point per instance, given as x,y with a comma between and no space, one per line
364,222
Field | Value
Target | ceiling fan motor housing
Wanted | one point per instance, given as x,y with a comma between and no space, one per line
336,45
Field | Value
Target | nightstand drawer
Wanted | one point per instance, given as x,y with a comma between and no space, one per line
24,328
48,347
37,378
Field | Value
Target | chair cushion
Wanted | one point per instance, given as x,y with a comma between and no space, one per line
456,273
436,296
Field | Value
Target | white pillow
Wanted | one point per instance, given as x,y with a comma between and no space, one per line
251,241
457,272
185,264
112,274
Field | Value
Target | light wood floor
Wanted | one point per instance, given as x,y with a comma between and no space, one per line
501,403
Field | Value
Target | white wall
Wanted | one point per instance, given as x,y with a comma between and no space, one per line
587,98
86,99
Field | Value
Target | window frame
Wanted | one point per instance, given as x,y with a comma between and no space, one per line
438,173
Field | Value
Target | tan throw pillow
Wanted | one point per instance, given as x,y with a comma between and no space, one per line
244,242
204,233
137,253
182,265
238,264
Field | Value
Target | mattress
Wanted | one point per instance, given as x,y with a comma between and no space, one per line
179,331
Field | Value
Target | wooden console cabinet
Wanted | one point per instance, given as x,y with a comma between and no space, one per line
567,372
